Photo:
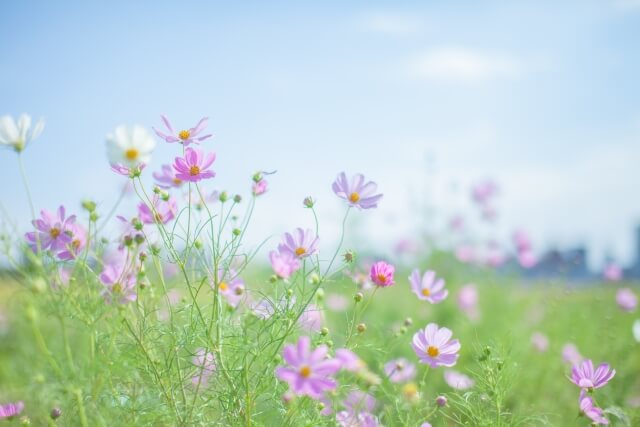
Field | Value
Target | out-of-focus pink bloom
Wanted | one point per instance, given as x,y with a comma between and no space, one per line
634,401
425,424
61,279
260,187
406,246
284,264
130,171
263,308
400,370
166,177
588,408
484,191
626,299
308,372
361,279
495,258
382,274
51,230
119,280
205,363
349,361
186,136
612,273
10,410
434,346
360,419
359,406
521,241
583,375
78,241
427,287
527,259
465,253
356,192
570,354
301,243
359,401
458,380
162,211
468,301
540,341
231,287
336,302
456,223
311,319
193,167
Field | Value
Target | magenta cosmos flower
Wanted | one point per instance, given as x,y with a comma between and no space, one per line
484,191
301,243
349,361
78,241
284,264
434,346
583,375
427,287
590,410
356,192
458,380
51,230
468,301
260,187
193,167
571,354
10,410
308,372
119,280
166,177
400,370
185,136
626,299
382,274
162,212
205,364
231,287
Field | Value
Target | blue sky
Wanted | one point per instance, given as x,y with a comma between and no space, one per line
423,98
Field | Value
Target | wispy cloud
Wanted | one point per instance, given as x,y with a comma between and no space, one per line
462,64
391,23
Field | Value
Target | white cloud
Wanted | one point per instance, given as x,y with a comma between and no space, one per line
461,64
392,24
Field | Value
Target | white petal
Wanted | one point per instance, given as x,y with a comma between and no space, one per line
37,130
8,130
24,123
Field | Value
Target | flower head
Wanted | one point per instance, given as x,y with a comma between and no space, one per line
185,136
259,187
311,319
458,380
584,376
119,280
161,212
193,167
301,243
17,134
540,341
78,235
230,286
626,299
166,177
483,192
284,264
588,408
349,360
468,301
570,354
381,274
308,372
400,370
356,192
434,346
9,410
130,146
427,287
130,171
53,231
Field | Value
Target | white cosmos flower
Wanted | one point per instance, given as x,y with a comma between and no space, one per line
18,134
130,146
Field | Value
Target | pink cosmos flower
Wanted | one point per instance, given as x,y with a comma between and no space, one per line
400,370
336,302
465,253
263,308
570,354
186,136
349,361
308,372
434,346
521,240
361,279
205,364
427,287
527,259
10,410
193,167
162,212
301,243
359,406
166,177
626,299
78,241
540,341
612,273
468,301
260,187
484,191
284,264
585,377
311,319
51,231
458,380
356,192
381,274
119,280
588,408
231,287
360,419
130,171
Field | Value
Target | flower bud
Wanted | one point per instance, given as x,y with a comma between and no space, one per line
136,224
236,232
55,413
257,177
198,244
324,331
142,256
349,256
89,205
93,216
273,279
320,294
315,280
308,202
403,330
156,189
361,328
25,421
224,196
139,239
237,198
358,297
441,401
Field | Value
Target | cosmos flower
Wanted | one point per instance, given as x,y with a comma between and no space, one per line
356,192
588,408
130,171
468,301
527,259
9,410
381,274
458,380
349,360
400,370
17,134
301,243
162,212
185,136
78,241
119,280
359,407
260,187
51,230
434,346
166,177
482,192
311,319
360,419
465,253
570,354
130,147
284,264
308,372
263,308
193,167
626,299
585,377
521,241
612,272
231,287
205,364
336,302
540,341
427,287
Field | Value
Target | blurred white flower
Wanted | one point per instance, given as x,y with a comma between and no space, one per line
18,134
636,330
130,146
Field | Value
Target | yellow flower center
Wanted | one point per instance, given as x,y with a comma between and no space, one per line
158,217
354,197
433,351
194,170
410,390
300,251
239,290
305,371
382,278
223,286
75,243
54,232
131,154
116,288
184,134
177,181
426,292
